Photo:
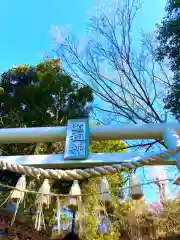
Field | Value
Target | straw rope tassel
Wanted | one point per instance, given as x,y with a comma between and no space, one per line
105,196
105,191
41,200
135,189
74,196
18,195
21,184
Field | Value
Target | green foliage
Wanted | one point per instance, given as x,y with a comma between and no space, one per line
172,99
161,224
93,208
169,47
169,35
39,95
108,146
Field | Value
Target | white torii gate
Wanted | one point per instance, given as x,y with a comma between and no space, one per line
78,164
168,131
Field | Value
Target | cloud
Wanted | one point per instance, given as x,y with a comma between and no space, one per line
60,33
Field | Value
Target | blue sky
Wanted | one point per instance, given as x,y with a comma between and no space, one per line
25,25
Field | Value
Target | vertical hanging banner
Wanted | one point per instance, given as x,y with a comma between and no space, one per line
77,139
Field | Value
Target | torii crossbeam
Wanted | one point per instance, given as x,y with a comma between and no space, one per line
167,131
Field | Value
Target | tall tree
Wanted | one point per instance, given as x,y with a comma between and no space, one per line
169,48
169,35
172,102
39,95
128,82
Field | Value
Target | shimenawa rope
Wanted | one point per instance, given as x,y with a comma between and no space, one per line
79,174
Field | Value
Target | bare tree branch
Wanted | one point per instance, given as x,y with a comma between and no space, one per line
129,82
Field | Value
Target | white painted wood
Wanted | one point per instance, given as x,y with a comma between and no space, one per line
172,141
32,135
109,132
96,159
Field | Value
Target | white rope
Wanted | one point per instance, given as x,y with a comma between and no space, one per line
51,194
